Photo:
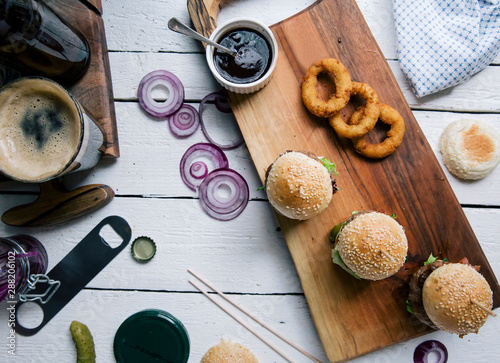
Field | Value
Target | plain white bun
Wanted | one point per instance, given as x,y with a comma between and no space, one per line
448,296
372,244
470,148
298,186
228,352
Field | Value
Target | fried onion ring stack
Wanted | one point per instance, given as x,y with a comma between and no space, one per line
363,120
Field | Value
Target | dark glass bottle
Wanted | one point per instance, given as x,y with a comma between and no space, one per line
34,40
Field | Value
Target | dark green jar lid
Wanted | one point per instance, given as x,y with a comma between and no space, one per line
151,336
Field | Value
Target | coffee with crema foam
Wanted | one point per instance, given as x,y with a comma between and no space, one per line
40,130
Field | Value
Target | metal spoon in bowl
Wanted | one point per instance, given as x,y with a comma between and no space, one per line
177,26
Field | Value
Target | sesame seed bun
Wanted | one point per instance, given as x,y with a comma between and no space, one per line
298,185
228,352
470,149
372,244
447,297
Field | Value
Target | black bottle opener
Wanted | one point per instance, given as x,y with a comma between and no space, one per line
72,273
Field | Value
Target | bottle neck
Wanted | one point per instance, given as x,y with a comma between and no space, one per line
20,21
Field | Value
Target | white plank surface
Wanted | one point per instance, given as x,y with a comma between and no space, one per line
246,257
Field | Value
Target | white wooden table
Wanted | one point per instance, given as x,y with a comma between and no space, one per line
246,257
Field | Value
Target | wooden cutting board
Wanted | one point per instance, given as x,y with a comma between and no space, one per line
352,317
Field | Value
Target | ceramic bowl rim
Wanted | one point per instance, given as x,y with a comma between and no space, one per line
239,23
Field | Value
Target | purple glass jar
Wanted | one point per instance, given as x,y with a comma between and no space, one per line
20,257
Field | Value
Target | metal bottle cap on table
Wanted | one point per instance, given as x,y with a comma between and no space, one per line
143,249
151,336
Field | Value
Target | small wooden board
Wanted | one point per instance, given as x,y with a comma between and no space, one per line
94,90
352,317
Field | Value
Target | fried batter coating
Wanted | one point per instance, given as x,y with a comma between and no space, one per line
389,116
371,112
343,87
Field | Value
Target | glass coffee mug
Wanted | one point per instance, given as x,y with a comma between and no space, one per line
44,133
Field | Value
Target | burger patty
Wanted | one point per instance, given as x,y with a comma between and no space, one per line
416,286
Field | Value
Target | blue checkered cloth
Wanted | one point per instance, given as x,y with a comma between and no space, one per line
442,43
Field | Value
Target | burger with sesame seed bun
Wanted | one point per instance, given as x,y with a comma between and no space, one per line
369,245
453,297
299,184
230,352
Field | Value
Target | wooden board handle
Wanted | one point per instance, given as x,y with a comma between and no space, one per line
94,5
204,13
57,205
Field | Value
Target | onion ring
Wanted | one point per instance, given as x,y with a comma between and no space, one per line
224,208
371,112
184,121
343,87
193,170
220,99
395,135
198,170
175,93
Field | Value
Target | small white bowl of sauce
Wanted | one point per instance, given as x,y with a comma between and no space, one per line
257,53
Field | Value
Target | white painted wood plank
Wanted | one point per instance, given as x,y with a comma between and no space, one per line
104,311
132,28
127,70
150,157
480,94
144,28
478,192
246,255
137,172
379,16
251,247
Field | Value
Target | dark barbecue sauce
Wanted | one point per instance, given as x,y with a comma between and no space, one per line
253,58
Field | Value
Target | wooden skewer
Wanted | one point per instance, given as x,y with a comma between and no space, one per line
239,320
387,255
483,308
272,330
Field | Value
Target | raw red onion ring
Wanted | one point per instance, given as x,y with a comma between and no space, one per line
192,169
430,346
184,121
218,98
198,170
222,103
174,99
220,207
